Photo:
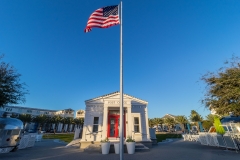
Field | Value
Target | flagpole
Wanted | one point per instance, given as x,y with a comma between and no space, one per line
121,130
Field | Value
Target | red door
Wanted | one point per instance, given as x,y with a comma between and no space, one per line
113,125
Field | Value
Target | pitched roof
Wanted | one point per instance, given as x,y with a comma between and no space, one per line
169,116
113,94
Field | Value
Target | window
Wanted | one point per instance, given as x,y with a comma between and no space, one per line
95,124
15,131
136,124
9,132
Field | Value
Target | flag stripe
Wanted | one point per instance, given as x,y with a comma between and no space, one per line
103,18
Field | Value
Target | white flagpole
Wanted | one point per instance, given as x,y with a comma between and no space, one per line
121,130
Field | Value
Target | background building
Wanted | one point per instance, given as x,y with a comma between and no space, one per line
44,119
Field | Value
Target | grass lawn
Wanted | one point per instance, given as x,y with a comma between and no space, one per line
68,137
161,137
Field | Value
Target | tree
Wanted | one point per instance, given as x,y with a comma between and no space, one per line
170,122
69,121
182,120
79,122
223,88
55,120
210,117
12,91
195,117
25,118
207,124
156,122
41,119
150,123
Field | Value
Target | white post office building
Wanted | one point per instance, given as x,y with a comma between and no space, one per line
102,119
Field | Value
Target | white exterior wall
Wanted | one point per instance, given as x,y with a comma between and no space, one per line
80,114
92,110
140,111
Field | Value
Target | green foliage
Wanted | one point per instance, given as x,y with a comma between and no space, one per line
207,124
157,121
195,117
41,119
181,119
150,122
25,118
79,121
12,91
210,118
170,122
223,88
56,119
161,137
218,127
105,140
130,139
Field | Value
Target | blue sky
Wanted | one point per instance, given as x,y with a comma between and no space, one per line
168,46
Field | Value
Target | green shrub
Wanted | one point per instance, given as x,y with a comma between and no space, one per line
161,137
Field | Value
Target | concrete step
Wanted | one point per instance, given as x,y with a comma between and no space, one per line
93,148
74,143
139,147
96,148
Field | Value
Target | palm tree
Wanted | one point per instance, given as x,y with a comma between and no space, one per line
210,117
170,122
195,117
79,122
64,121
182,120
158,121
69,121
150,122
48,123
57,120
40,120
25,118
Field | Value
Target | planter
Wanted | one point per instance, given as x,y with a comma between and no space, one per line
116,148
130,147
105,147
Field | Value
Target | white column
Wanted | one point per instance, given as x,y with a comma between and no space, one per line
53,126
105,119
129,124
147,126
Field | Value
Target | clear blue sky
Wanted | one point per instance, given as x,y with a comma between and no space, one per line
168,45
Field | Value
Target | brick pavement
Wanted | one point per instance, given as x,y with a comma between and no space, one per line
176,150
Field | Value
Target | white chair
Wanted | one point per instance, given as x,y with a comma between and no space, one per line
184,137
39,137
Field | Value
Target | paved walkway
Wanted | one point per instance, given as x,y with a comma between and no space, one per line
176,150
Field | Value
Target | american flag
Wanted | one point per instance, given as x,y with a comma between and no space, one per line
103,18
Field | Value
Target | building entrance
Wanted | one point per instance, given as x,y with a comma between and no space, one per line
114,124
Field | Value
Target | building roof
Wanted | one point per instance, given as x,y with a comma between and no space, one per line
113,94
32,108
169,116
